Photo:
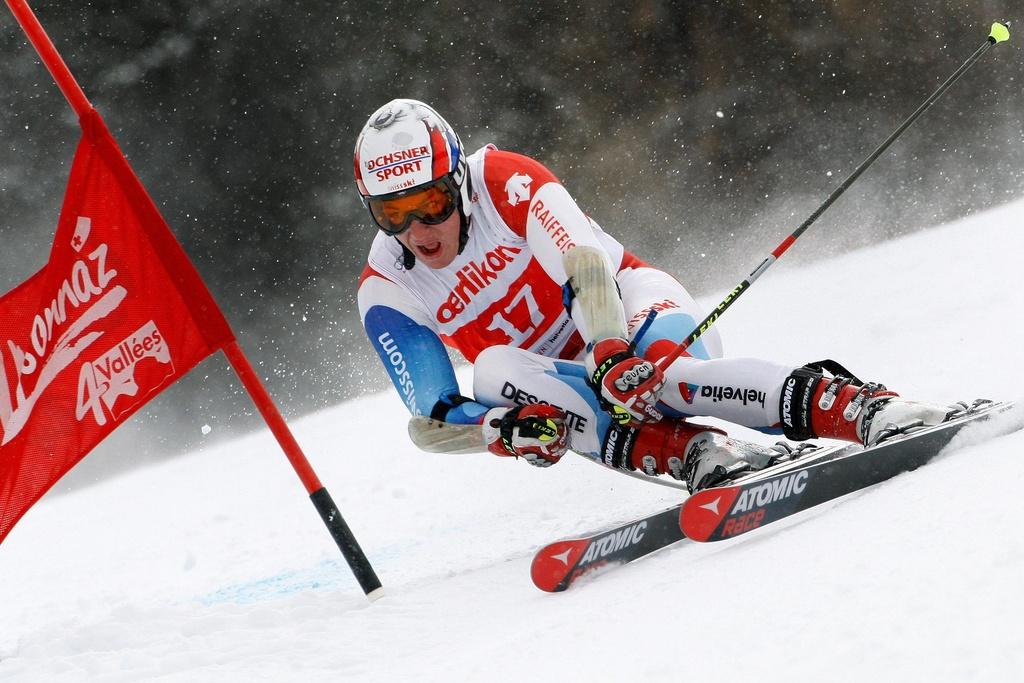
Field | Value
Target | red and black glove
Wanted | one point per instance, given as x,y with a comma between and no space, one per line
534,432
628,386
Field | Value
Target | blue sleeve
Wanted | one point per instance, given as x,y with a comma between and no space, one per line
419,367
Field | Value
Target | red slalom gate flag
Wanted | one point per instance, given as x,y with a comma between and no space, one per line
115,317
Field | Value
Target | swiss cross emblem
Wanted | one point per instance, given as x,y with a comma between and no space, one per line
82,228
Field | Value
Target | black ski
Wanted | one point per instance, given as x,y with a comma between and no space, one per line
767,496
556,566
749,503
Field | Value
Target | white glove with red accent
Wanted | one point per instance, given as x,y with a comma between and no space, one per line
533,432
629,387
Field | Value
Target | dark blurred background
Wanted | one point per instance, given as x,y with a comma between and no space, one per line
699,133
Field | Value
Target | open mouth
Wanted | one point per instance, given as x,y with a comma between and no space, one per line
428,250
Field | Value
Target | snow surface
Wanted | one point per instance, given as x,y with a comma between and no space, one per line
215,566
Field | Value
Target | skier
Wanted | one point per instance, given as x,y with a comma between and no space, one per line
489,254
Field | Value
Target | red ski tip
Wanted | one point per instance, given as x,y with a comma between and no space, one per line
551,565
705,510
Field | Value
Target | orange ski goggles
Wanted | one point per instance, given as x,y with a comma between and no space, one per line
432,204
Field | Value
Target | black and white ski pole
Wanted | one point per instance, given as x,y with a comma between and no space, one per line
999,33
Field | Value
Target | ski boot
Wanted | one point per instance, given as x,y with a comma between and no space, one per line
699,455
840,406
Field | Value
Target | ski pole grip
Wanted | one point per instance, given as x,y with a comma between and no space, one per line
1000,33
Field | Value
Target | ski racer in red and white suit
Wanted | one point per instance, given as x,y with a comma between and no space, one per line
490,281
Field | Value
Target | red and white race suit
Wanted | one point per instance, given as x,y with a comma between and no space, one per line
500,304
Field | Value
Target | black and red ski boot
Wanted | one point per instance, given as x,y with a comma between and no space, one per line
701,456
839,406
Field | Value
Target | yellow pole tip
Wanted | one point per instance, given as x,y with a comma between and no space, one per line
999,33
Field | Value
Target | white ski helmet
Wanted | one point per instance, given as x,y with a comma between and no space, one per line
405,148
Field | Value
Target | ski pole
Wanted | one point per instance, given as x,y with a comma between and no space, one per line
999,33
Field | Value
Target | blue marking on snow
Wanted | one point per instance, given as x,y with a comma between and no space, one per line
328,575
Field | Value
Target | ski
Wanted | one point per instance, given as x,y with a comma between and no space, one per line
558,565
732,509
729,510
